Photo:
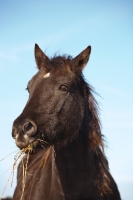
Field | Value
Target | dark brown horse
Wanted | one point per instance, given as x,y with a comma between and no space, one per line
61,122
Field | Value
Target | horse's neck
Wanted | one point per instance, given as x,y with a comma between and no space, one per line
73,156
71,153
73,163
66,170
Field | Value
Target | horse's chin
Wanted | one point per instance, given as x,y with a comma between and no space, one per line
35,146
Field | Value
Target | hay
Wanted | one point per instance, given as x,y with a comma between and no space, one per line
24,167
19,157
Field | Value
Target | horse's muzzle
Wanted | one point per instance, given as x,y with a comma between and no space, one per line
24,133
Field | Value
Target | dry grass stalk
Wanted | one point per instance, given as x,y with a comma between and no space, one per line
19,156
7,156
27,150
24,168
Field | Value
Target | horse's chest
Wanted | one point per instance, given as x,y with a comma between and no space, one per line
42,181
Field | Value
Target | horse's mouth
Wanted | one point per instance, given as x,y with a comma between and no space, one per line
32,145
24,141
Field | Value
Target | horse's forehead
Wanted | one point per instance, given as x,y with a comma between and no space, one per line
61,66
55,73
62,71
59,70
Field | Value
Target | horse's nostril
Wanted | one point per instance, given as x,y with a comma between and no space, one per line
30,128
27,126
14,133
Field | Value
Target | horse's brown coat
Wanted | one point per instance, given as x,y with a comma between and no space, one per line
62,112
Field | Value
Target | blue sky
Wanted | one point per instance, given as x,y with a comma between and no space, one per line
68,27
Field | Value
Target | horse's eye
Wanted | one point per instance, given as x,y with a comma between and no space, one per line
64,88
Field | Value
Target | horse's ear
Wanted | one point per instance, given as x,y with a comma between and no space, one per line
41,59
79,62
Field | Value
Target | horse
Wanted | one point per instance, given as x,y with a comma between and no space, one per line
61,122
